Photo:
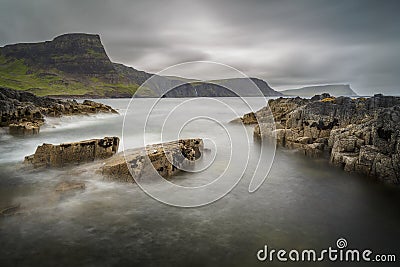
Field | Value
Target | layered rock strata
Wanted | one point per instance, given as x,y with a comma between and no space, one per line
24,113
48,155
166,158
360,135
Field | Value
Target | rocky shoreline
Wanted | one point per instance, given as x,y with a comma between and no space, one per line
99,156
360,135
24,113
125,166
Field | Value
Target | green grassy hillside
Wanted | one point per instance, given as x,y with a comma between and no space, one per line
77,64
15,74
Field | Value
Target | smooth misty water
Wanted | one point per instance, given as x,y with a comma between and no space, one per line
304,203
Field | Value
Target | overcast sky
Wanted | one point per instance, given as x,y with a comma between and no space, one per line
288,43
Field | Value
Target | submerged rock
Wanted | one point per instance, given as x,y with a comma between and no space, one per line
360,135
10,210
158,156
69,186
166,159
48,155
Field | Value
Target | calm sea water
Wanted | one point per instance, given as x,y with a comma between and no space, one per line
304,203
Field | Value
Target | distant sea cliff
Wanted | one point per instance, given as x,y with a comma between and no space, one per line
332,89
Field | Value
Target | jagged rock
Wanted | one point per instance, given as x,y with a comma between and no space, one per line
361,135
345,145
24,128
304,140
247,119
314,150
48,155
70,107
157,156
320,97
98,107
24,112
349,162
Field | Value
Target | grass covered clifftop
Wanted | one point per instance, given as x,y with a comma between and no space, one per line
16,74
77,65
71,64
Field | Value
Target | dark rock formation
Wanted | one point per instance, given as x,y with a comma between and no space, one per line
200,89
24,112
142,161
48,155
334,89
24,128
76,53
157,156
359,135
223,88
249,118
19,107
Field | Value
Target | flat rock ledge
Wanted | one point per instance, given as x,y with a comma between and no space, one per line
48,155
166,159
144,161
25,128
360,135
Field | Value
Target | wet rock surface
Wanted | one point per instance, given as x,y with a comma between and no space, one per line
157,156
24,128
70,186
360,135
166,159
24,113
49,155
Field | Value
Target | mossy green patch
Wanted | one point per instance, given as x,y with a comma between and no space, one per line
94,53
15,74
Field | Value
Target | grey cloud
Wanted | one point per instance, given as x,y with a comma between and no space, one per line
288,43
